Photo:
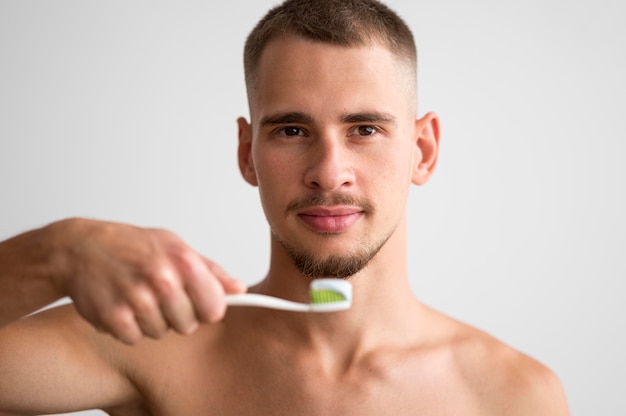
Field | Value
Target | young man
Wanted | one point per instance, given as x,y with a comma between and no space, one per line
333,145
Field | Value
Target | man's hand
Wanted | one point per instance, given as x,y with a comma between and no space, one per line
133,282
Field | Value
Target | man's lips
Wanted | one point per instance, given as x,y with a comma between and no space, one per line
330,219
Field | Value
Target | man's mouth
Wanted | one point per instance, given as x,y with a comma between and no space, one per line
334,219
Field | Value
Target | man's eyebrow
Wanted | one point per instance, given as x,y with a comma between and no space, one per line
369,117
294,117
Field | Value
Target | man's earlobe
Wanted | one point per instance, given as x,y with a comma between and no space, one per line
427,135
244,152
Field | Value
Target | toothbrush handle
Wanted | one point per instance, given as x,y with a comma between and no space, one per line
264,301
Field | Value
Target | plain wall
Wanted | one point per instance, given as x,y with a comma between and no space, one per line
125,111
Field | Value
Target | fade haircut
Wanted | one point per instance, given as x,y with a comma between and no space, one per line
347,23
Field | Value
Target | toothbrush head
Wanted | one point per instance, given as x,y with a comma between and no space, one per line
330,295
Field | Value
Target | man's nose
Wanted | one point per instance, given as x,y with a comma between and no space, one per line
329,167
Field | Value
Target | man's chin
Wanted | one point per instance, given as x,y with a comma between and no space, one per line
335,262
334,266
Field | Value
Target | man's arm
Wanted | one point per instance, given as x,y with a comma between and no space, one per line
126,280
29,267
55,362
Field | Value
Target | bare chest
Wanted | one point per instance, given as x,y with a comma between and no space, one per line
279,387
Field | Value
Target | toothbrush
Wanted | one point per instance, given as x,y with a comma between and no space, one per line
327,295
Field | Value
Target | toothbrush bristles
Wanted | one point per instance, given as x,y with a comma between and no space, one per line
326,296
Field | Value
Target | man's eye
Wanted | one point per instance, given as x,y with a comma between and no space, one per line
292,131
364,130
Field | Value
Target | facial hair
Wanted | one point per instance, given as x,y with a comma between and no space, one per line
340,267
335,266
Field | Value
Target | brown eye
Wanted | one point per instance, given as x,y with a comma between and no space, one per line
366,130
292,131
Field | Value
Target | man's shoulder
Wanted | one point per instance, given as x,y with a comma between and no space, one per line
507,380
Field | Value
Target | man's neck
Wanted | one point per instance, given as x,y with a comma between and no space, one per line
383,309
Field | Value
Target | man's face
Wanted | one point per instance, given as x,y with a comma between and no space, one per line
332,146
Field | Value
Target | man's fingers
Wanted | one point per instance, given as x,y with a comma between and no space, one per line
110,314
207,295
205,290
175,306
121,323
147,313
179,312
143,282
229,283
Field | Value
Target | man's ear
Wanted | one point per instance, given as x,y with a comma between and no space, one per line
244,152
427,141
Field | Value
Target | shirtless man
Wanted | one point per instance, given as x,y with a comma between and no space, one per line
333,146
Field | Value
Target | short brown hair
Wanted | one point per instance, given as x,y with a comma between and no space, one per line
338,22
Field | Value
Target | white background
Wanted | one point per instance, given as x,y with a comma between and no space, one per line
125,110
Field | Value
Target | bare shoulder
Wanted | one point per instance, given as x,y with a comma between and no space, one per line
505,380
46,355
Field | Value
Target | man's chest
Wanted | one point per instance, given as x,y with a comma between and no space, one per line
287,389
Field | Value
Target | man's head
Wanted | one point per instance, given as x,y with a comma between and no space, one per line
345,23
333,143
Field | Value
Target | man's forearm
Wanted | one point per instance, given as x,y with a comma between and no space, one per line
29,264
125,280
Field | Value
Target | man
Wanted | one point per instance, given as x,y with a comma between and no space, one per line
333,146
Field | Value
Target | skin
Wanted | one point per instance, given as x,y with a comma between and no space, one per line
388,354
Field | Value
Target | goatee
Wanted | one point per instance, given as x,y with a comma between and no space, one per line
340,267
335,266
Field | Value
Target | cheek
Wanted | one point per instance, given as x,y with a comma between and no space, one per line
396,167
275,178
272,168
393,181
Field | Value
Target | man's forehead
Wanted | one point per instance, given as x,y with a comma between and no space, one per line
293,70
299,61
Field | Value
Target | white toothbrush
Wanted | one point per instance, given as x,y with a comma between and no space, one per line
327,295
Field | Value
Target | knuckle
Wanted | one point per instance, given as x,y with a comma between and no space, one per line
121,319
165,288
190,264
215,268
120,322
143,303
163,234
163,279
176,264
147,313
